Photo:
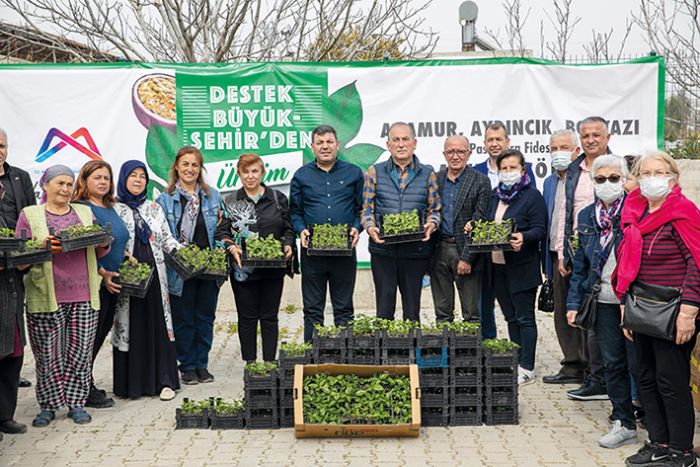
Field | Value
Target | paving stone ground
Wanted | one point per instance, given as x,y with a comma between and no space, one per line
553,430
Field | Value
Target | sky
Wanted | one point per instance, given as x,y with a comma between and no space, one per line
601,15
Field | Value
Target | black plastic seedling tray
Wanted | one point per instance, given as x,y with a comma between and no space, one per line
13,244
402,238
260,263
135,290
213,276
489,247
173,262
228,422
312,251
191,421
37,256
79,243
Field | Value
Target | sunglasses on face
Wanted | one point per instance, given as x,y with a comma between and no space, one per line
600,179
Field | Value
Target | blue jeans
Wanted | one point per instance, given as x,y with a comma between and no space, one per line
519,311
614,353
193,322
319,273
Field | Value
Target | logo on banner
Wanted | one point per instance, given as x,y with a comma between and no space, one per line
90,149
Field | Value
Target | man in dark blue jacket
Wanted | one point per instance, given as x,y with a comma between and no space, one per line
326,191
397,185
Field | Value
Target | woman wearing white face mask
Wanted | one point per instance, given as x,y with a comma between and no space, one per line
599,234
660,251
517,274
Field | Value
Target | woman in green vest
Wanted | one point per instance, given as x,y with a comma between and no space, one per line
62,299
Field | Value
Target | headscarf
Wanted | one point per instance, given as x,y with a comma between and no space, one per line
510,194
51,173
142,230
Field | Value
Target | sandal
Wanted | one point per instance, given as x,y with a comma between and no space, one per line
79,416
43,418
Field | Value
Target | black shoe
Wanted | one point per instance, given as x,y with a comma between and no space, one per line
189,377
97,399
560,378
589,391
204,376
680,459
24,383
12,427
650,454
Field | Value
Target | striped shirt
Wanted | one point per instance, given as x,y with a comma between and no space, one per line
369,192
667,261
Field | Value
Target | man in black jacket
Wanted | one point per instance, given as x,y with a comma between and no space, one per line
465,195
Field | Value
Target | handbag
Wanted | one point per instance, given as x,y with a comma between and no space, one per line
545,302
588,311
651,310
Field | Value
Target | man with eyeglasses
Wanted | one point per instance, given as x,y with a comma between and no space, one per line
594,136
465,195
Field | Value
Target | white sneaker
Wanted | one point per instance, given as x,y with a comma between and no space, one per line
525,376
167,394
618,436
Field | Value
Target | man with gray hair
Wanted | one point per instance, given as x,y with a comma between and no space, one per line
19,189
563,148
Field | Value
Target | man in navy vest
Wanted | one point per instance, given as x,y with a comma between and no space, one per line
397,185
326,191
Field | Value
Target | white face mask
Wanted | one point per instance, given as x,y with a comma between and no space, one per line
508,179
654,188
608,191
561,160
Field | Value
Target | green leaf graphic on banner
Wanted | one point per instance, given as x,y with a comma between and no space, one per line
345,112
362,155
161,147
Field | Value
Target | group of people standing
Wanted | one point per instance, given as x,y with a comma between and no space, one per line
631,220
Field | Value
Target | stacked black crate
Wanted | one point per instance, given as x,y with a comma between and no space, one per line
466,404
286,384
432,361
363,349
261,399
501,387
330,348
398,349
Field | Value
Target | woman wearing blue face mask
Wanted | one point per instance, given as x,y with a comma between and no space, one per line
517,274
599,235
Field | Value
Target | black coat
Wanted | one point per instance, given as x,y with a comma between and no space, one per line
11,307
529,212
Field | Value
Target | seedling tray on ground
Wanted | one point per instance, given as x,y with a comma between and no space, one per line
228,422
78,243
260,263
173,262
40,255
191,421
435,416
502,395
312,251
135,290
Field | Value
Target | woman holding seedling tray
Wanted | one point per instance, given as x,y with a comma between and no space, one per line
62,301
256,218
144,343
191,207
517,274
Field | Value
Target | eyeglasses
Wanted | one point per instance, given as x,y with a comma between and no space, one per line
612,178
659,173
456,152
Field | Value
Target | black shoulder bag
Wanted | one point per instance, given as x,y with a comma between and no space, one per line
545,302
587,312
651,310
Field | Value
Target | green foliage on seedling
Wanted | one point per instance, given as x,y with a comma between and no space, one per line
365,325
7,233
293,349
464,328
261,368
232,328
290,309
78,231
489,232
433,329
402,223
499,345
192,407
351,400
133,273
191,257
398,327
267,248
32,245
229,409
283,332
330,237
328,331
216,261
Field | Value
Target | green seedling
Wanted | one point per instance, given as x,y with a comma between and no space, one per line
31,245
216,260
7,233
290,309
283,332
261,368
574,241
330,331
402,223
464,328
232,328
79,231
229,409
489,232
192,407
364,325
499,345
292,349
267,248
398,328
352,400
133,274
330,237
191,257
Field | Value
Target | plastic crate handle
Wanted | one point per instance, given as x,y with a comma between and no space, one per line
296,394
417,393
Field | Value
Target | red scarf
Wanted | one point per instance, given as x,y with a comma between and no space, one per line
676,209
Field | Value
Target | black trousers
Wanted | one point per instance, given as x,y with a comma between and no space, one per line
407,274
105,320
258,301
9,385
572,341
319,273
664,374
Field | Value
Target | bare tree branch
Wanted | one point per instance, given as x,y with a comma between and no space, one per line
563,26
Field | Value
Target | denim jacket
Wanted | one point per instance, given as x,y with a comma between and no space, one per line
587,256
171,204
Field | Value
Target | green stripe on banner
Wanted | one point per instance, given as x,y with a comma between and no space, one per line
661,105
